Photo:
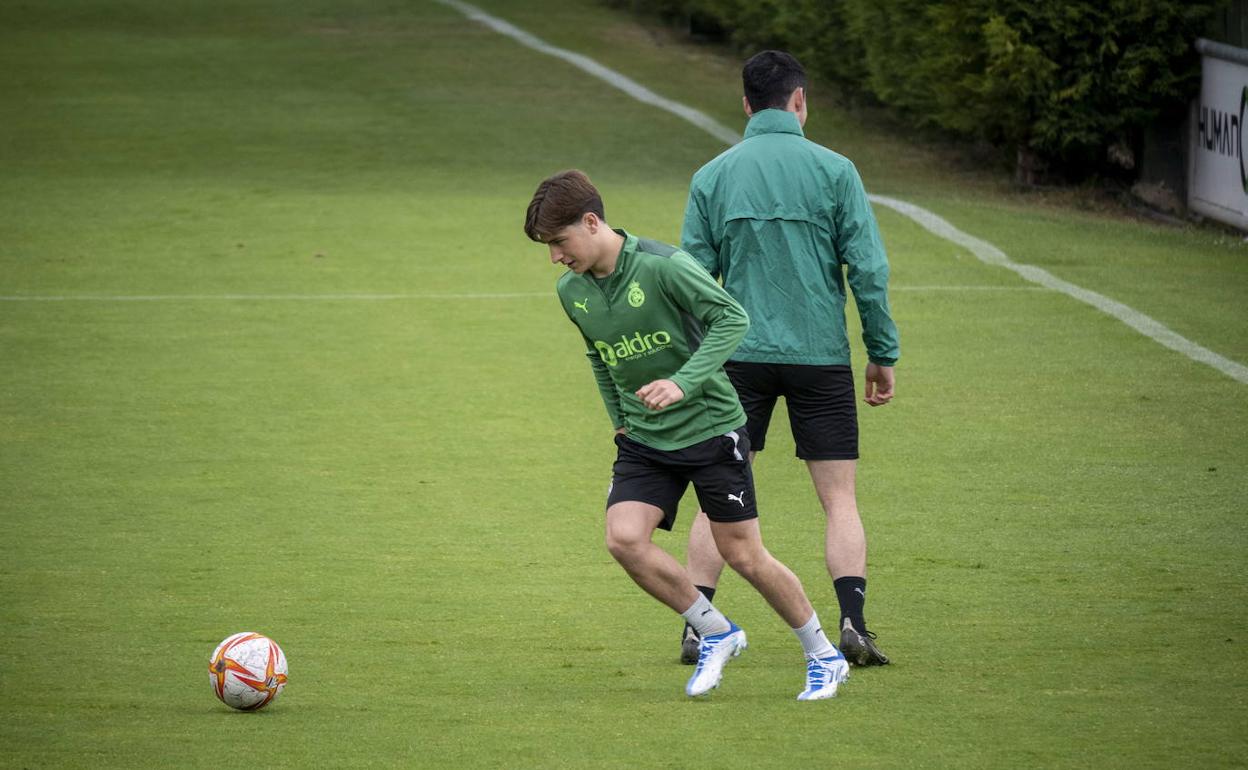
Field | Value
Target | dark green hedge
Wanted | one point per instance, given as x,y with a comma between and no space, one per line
1067,84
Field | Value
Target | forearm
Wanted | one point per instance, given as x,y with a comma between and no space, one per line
723,334
722,318
879,332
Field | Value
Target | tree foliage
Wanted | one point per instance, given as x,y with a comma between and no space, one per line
1060,81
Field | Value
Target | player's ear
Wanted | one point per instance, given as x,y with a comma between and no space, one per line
591,222
745,103
798,99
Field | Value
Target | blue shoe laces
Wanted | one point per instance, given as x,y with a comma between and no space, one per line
710,644
817,673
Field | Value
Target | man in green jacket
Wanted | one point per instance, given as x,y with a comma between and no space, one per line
657,329
784,222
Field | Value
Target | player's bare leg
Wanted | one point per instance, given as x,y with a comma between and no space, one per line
846,555
630,526
741,545
704,565
704,562
846,541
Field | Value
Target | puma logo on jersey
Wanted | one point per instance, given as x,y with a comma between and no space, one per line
583,305
739,498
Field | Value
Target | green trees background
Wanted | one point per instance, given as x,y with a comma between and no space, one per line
1065,86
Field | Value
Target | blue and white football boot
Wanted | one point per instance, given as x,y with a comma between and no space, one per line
823,675
714,651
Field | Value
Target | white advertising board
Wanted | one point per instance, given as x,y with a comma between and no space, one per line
1218,175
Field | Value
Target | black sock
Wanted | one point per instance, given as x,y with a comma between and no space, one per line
709,593
851,592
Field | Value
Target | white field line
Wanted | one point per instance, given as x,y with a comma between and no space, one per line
990,254
627,85
1143,324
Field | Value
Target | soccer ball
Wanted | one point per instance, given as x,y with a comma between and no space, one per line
247,671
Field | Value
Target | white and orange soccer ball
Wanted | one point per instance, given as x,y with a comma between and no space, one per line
247,671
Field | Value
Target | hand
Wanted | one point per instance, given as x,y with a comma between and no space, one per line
879,385
660,394
621,431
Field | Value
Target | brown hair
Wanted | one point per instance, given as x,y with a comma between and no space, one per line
561,200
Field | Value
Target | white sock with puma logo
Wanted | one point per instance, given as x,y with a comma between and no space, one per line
814,642
704,618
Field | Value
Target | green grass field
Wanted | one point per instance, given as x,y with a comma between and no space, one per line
406,492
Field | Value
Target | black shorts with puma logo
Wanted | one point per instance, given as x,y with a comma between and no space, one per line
718,468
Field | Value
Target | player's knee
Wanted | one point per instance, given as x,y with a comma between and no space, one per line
747,562
623,544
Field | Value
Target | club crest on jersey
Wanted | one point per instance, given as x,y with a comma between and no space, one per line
636,297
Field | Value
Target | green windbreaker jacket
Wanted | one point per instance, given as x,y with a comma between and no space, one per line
784,222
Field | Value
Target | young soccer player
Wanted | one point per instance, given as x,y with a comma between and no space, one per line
658,329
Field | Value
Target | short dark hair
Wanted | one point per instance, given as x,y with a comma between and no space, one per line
561,200
770,78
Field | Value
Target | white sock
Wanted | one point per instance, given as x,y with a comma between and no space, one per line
814,642
704,618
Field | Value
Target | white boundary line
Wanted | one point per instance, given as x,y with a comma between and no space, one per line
985,251
1143,324
625,84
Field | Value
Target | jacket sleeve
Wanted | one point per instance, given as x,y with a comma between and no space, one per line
606,386
696,237
860,248
722,318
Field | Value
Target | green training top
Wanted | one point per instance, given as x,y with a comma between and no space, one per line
659,316
777,216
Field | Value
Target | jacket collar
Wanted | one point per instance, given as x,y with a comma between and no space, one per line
627,249
773,121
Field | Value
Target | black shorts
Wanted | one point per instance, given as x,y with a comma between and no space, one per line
718,468
823,412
